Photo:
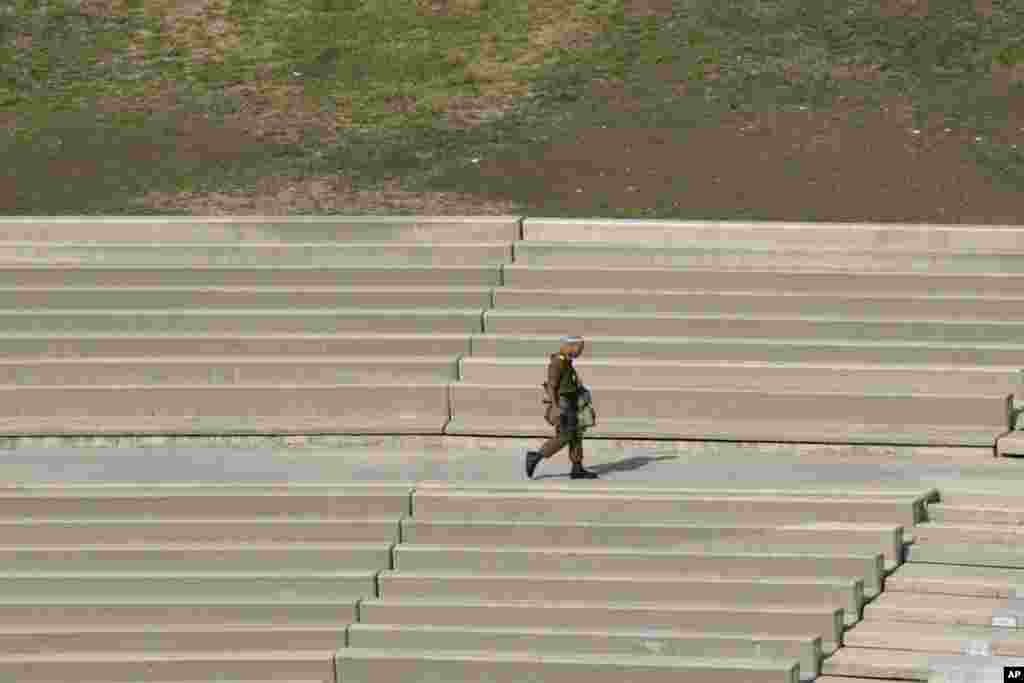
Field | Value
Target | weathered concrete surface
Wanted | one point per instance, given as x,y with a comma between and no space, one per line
281,229
834,235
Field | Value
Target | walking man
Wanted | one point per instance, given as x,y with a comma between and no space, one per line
563,391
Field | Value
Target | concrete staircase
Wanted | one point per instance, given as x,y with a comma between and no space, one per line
956,605
226,328
391,582
379,325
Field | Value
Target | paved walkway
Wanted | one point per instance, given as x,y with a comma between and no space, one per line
705,464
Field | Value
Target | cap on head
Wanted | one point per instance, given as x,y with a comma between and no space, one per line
571,345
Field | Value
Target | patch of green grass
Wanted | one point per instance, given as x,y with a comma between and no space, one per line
372,50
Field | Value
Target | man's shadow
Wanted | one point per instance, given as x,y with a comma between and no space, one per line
626,465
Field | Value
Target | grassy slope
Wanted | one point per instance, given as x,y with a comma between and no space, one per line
356,59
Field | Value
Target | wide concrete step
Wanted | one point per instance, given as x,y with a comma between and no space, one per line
279,229
691,507
865,664
792,349
238,409
230,370
707,617
852,236
935,533
212,610
945,609
976,514
269,296
758,303
118,532
371,665
1001,491
227,557
965,580
968,553
266,585
277,276
750,375
667,643
811,281
59,639
635,562
753,415
916,494
731,255
204,501
753,326
885,539
119,667
241,321
1013,444
934,638
257,253
539,586
282,346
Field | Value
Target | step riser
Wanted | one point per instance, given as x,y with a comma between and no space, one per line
534,254
276,229
201,612
792,350
456,560
650,591
835,282
372,671
853,542
352,321
243,559
351,402
487,402
928,616
195,640
146,347
765,379
54,275
225,373
367,636
426,506
940,537
952,515
267,531
176,587
315,667
777,234
1008,556
739,304
204,507
828,626
365,254
124,298
948,643
755,327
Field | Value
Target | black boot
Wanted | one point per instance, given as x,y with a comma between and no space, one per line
532,458
579,473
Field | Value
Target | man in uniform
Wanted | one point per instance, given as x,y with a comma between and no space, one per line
563,388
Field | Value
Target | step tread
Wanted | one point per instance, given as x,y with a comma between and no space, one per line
621,631
180,656
548,604
622,551
688,578
506,656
